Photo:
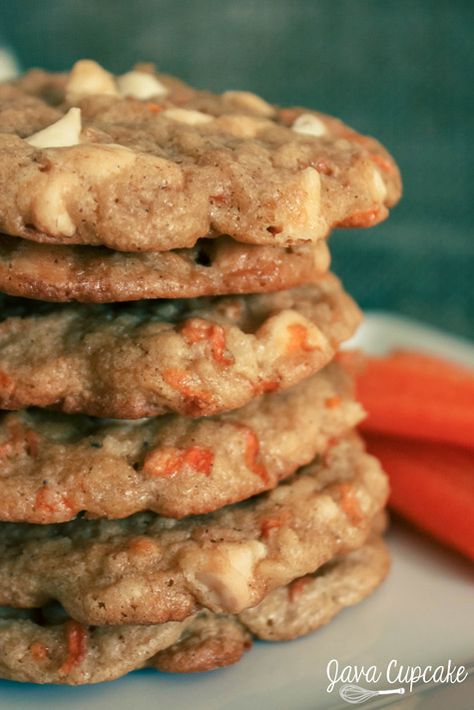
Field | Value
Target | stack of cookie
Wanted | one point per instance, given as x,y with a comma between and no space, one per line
179,467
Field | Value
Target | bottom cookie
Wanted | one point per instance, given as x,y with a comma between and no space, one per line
43,647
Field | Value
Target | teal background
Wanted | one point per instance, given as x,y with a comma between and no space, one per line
399,69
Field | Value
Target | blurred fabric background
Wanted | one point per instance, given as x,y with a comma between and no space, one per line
398,69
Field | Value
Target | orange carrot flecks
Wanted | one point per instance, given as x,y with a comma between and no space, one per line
170,460
298,340
252,451
196,330
76,646
363,219
267,525
349,502
251,456
154,108
184,382
48,501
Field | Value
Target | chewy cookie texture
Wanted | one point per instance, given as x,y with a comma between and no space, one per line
213,267
86,159
179,468
57,467
43,646
192,356
150,569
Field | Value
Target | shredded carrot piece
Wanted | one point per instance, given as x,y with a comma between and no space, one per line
333,402
200,459
163,463
269,524
42,501
349,503
362,219
251,456
45,502
154,108
169,461
218,347
298,339
182,380
76,646
197,330
266,386
273,523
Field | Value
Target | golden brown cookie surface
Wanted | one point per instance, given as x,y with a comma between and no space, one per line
212,267
195,356
149,569
54,466
87,159
66,652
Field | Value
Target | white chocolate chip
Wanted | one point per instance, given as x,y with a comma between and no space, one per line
100,161
63,133
250,102
89,78
186,115
379,189
241,125
49,209
322,256
224,575
311,184
300,209
309,125
140,85
87,164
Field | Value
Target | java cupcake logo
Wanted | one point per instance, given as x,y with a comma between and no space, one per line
353,682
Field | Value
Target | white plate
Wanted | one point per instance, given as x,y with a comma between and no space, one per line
422,615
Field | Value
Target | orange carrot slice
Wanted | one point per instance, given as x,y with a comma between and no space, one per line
419,396
432,485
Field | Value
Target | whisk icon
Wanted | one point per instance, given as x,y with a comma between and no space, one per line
355,694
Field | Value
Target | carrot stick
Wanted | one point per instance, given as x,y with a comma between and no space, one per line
432,485
419,396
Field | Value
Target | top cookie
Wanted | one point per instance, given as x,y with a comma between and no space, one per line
143,162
